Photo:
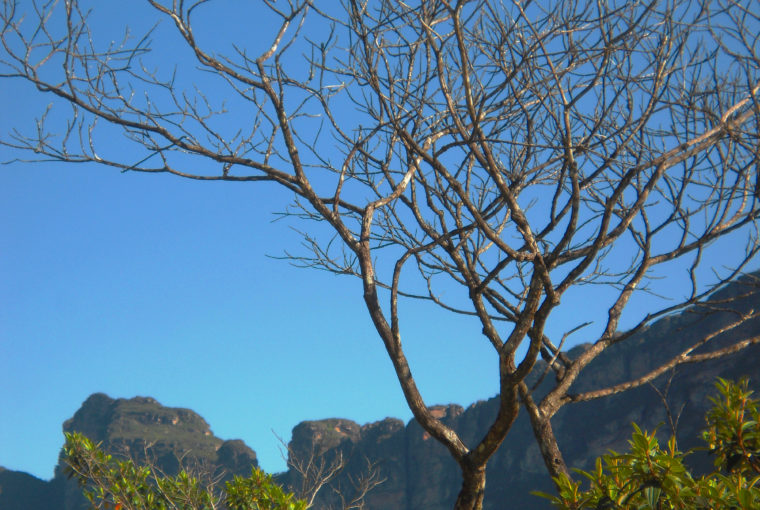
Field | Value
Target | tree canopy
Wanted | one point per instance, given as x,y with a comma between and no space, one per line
487,157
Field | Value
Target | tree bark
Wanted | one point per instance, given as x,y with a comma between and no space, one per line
541,424
473,488
550,451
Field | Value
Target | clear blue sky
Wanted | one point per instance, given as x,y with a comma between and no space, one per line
143,285
149,285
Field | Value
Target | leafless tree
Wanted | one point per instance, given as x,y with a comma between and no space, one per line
673,416
511,150
315,472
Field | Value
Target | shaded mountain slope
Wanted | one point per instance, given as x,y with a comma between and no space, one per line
420,474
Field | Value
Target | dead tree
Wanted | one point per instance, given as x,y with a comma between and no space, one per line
505,152
314,475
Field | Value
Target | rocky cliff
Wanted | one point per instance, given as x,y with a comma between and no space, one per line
418,473
129,425
139,428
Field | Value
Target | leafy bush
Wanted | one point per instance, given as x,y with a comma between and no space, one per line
650,477
114,484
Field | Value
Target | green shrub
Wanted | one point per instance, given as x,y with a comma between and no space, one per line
114,484
650,477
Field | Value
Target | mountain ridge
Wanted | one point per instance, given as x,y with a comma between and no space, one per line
418,471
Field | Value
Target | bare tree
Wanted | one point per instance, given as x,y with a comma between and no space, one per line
511,150
313,473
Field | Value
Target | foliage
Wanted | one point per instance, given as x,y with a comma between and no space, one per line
109,483
733,432
650,477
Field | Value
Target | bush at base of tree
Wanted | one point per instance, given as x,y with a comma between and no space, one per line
650,477
109,483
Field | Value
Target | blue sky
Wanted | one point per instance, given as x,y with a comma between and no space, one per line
143,285
134,284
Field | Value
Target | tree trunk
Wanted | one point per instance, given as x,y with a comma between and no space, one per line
473,489
541,424
547,443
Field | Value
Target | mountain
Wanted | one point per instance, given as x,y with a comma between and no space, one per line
417,471
421,475
21,491
127,426
140,428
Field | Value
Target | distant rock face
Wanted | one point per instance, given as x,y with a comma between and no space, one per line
418,472
127,426
141,429
236,458
317,437
20,491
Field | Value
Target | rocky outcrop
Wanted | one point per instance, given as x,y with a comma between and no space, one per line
234,457
139,428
